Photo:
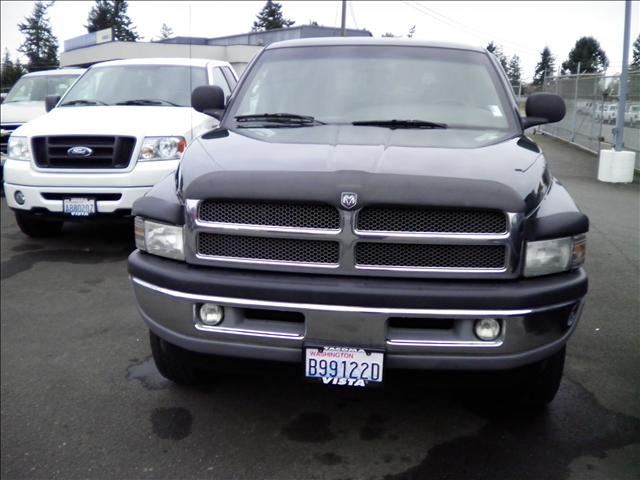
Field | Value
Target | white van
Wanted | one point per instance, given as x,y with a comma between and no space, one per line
25,100
120,129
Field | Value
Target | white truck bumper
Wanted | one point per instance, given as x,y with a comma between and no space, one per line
45,190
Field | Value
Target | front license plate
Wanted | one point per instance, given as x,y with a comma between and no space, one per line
79,207
344,365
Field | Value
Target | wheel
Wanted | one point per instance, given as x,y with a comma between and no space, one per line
541,382
171,363
37,226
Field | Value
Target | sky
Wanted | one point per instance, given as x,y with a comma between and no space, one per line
521,27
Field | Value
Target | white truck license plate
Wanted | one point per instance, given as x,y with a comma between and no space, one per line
344,365
79,207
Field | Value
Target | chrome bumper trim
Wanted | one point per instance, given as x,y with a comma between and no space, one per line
435,343
244,302
248,332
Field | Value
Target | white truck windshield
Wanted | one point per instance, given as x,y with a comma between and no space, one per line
147,85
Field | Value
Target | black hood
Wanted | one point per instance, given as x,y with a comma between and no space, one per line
454,167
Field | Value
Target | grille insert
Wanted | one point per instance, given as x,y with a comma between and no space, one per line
430,256
106,151
97,196
274,214
269,249
398,219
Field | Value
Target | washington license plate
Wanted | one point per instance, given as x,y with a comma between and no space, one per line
355,367
79,207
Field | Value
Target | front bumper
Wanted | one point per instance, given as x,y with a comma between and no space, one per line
422,324
38,186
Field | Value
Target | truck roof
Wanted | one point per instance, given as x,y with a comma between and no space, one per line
402,42
56,71
188,62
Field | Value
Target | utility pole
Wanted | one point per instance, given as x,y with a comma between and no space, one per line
344,18
619,132
575,105
616,165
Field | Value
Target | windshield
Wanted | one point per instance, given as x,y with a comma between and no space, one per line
35,89
346,84
164,84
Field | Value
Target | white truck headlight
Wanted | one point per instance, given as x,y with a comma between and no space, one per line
162,148
19,149
159,238
552,256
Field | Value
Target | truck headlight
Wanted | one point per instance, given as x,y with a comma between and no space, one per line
162,148
159,238
19,149
552,256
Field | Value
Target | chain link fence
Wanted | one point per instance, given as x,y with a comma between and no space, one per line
592,104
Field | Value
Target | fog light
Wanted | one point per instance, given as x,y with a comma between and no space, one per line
211,314
19,196
487,329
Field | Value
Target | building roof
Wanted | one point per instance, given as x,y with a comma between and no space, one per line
193,62
404,42
267,37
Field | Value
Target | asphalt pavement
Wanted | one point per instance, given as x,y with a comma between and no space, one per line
81,397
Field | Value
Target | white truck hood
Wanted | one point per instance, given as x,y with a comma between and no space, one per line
139,121
20,112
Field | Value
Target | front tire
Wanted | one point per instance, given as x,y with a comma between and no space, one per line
36,227
541,384
171,363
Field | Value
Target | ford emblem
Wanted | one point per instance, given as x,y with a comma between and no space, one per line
348,199
79,151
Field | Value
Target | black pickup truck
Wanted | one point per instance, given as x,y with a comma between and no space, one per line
365,205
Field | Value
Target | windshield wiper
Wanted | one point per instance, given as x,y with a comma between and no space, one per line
393,124
286,118
83,102
148,101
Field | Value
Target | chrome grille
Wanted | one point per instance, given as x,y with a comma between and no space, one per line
311,216
106,151
430,220
430,256
284,236
268,249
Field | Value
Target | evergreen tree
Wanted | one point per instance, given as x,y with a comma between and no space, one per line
112,14
588,53
40,44
545,67
388,35
412,32
270,18
514,71
635,58
10,72
165,32
499,54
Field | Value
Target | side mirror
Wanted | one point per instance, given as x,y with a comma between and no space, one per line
50,102
543,108
208,99
2,98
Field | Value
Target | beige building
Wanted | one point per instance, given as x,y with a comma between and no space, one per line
238,49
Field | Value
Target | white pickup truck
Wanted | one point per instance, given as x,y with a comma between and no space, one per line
120,129
25,100
632,115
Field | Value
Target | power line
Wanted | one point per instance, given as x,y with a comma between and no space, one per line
353,17
512,43
529,52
